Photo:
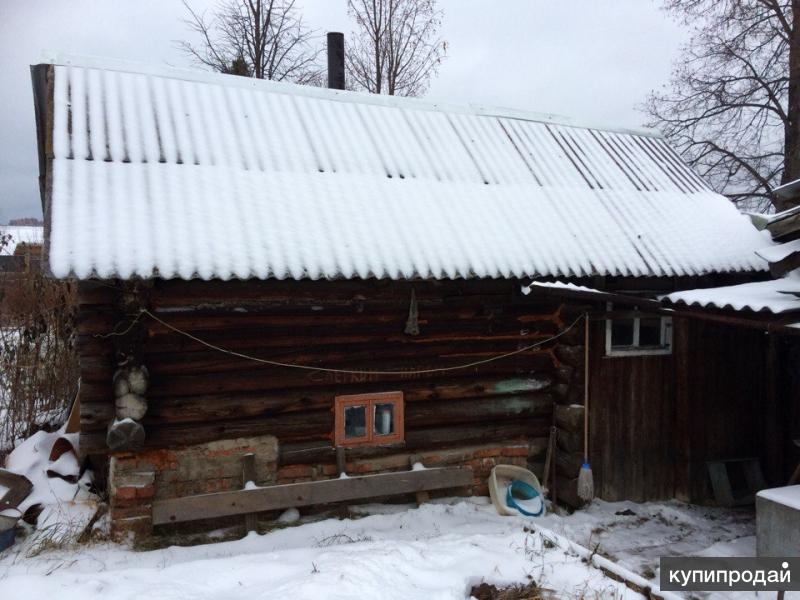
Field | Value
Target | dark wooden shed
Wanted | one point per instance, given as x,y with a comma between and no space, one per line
336,282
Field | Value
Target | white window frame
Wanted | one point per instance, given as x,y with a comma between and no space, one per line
665,347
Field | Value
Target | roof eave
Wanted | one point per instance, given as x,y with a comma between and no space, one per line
42,81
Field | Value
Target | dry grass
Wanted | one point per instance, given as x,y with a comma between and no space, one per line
38,363
528,591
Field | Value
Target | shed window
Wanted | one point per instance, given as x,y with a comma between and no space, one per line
369,419
637,334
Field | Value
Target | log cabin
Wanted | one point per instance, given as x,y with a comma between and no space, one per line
281,284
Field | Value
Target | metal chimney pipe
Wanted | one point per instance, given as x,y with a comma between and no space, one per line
336,60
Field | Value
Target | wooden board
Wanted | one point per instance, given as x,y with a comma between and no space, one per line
210,506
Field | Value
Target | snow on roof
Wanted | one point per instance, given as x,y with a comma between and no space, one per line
776,296
176,174
788,496
778,252
558,285
788,190
20,234
789,212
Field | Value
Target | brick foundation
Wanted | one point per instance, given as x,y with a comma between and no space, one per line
136,479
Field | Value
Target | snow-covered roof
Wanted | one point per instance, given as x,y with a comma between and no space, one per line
20,234
788,190
789,212
776,296
558,285
778,252
182,174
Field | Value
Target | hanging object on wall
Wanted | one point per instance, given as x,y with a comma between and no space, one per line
412,323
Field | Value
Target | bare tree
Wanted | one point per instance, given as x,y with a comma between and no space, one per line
733,104
265,39
396,48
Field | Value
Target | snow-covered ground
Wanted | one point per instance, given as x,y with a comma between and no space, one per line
439,550
636,535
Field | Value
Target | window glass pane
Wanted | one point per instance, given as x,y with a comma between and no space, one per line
650,332
622,332
384,419
355,421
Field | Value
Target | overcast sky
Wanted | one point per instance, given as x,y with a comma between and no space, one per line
594,61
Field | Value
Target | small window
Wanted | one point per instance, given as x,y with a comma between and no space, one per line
638,335
369,419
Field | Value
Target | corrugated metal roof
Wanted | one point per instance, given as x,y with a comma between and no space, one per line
178,174
776,296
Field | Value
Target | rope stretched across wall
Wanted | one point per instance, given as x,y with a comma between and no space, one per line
275,363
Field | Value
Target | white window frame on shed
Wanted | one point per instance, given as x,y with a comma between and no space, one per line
665,342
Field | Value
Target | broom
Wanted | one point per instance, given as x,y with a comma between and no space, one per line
585,477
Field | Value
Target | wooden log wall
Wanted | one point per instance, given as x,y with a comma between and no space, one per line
198,395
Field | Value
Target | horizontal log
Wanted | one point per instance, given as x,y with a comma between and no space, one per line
313,437
322,452
296,344
307,425
179,291
254,377
96,293
96,415
205,320
188,409
432,307
92,442
210,506
294,336
207,360
483,433
269,380
256,343
93,391
421,414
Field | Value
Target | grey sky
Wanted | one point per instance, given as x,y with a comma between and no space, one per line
595,61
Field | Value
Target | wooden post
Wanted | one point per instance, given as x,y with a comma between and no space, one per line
249,474
341,460
773,419
682,465
422,496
